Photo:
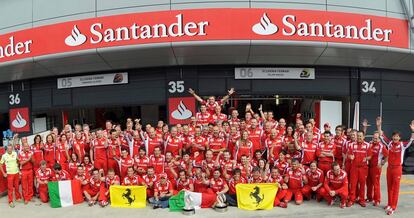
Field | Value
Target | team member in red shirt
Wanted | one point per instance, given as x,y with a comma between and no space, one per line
281,164
73,164
26,169
339,142
157,161
316,179
49,150
203,117
62,152
37,149
198,147
396,150
256,176
256,135
216,143
348,143
174,143
141,161
227,165
110,179
152,141
78,146
171,168
275,177
295,178
81,176
150,179
60,174
114,151
308,148
43,176
273,145
125,162
211,103
184,183
309,126
243,147
87,165
359,154
163,190
98,151
218,116
325,152
201,182
92,190
231,196
336,184
379,157
218,184
131,179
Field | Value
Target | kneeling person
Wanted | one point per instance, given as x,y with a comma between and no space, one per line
92,189
336,184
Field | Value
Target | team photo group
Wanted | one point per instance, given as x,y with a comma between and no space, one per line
211,155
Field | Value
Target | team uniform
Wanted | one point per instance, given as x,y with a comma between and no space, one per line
27,175
339,184
44,176
378,152
396,152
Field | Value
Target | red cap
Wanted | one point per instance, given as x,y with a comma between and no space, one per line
326,125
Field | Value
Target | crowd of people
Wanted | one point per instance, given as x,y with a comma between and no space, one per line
211,154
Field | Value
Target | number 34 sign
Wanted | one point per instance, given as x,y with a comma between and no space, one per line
367,87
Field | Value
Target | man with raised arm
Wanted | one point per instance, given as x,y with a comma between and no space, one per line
396,150
211,103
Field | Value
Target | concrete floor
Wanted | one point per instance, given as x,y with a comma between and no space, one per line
308,209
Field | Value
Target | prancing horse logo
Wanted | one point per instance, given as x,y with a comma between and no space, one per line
127,195
255,195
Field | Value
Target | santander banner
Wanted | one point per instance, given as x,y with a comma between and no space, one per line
204,25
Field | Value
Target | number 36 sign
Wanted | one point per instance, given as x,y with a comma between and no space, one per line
19,111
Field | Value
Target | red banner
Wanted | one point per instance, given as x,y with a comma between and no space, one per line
181,109
19,119
203,25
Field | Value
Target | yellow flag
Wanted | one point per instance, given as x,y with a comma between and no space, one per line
256,196
128,196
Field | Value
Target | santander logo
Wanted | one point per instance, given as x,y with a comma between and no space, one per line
265,26
181,113
97,32
76,38
19,122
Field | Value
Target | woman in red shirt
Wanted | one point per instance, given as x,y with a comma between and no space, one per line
37,148
244,146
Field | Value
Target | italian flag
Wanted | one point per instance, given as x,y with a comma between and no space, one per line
199,200
65,193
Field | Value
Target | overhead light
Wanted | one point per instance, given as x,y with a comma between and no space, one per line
277,99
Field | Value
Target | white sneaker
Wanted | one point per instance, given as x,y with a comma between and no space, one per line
390,212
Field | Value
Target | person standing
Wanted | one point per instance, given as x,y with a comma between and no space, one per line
396,150
359,154
26,167
378,159
11,160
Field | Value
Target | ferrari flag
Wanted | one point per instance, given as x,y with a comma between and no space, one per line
128,196
256,196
